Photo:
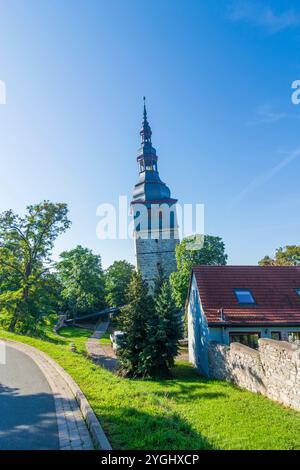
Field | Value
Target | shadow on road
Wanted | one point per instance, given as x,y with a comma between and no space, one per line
27,421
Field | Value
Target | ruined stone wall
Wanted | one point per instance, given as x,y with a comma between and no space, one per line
273,370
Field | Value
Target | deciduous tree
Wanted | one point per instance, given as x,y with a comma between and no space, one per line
287,256
81,275
211,253
117,280
25,258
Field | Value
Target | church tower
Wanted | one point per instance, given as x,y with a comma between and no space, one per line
154,211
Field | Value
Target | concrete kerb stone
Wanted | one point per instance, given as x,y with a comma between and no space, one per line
95,429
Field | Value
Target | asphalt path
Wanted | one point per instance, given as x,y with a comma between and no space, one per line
27,409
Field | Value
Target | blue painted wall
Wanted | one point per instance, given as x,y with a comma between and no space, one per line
198,331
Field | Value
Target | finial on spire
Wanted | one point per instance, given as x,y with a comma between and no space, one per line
145,110
145,131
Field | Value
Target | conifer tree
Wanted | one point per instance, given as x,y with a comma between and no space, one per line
153,329
166,330
134,320
159,280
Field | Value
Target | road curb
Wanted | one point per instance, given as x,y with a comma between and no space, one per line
96,431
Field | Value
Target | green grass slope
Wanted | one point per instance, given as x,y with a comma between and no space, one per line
184,412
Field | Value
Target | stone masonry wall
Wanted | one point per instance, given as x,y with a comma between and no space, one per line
273,370
151,252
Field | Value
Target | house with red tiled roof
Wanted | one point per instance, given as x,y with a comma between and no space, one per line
241,304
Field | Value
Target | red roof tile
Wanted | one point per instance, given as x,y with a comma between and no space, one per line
273,288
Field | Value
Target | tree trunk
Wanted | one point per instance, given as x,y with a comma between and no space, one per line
17,312
13,322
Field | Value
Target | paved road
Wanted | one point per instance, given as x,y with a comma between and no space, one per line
27,409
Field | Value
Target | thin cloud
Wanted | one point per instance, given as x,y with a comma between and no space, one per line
261,180
265,114
263,16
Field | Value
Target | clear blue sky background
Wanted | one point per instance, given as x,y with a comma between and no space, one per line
217,76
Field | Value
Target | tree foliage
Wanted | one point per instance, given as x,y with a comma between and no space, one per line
117,280
134,321
153,329
287,256
165,331
27,287
80,273
211,253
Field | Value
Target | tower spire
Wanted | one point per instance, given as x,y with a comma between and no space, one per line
154,213
145,131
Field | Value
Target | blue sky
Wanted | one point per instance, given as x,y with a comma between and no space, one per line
217,76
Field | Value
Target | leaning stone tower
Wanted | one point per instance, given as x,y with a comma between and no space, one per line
154,212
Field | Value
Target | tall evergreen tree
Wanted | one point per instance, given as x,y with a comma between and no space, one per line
153,329
164,332
134,320
159,280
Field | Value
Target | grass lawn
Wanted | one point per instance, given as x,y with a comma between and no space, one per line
105,339
77,336
185,412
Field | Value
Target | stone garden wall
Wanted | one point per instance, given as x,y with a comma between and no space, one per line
273,370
